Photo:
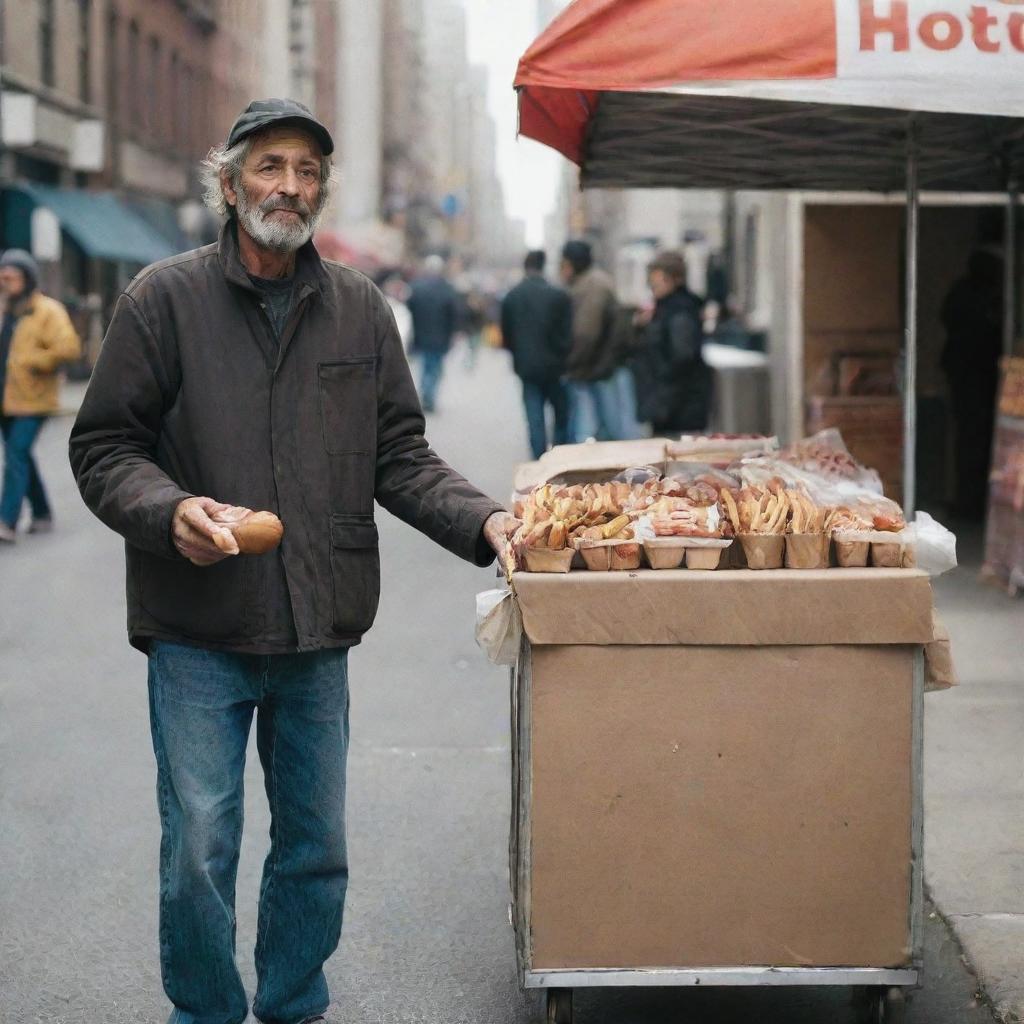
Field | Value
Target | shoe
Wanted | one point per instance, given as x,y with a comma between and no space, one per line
7,535
42,525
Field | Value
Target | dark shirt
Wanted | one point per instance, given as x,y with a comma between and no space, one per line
276,293
6,333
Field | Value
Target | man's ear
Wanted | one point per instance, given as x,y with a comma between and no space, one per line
230,195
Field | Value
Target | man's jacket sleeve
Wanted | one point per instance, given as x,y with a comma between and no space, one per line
412,481
114,439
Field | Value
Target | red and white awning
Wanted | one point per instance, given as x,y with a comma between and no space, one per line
606,74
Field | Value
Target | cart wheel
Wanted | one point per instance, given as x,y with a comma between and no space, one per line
894,1006
559,1006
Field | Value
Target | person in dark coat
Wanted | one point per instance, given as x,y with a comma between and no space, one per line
434,305
972,314
674,382
536,326
252,374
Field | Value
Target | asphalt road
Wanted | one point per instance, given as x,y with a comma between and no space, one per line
426,937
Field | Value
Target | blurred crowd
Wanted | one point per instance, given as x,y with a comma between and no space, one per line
589,366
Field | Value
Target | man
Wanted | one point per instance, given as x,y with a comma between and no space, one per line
972,314
676,389
536,326
36,339
252,373
595,354
434,305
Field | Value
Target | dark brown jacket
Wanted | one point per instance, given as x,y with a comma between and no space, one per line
192,395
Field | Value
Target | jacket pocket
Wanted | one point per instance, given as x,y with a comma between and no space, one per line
355,570
347,393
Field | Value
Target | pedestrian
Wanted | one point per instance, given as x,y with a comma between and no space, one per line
675,383
434,305
251,373
536,326
36,339
972,314
596,350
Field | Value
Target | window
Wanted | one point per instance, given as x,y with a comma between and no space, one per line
113,62
153,103
132,83
85,50
46,28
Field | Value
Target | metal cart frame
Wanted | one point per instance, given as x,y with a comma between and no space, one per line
882,990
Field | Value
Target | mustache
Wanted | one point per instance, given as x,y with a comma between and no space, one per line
295,204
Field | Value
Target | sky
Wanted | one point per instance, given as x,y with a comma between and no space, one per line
499,31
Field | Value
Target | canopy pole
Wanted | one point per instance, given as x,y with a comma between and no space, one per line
1010,271
910,327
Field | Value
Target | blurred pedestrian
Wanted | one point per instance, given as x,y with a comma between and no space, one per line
36,339
396,291
972,314
255,371
474,320
596,350
674,381
434,305
536,326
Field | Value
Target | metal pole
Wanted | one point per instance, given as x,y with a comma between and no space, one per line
910,329
1010,271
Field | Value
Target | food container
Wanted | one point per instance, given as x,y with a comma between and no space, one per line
664,553
763,550
703,558
807,550
624,556
887,554
546,560
851,552
614,555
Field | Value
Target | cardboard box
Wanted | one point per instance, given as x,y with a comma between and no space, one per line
715,769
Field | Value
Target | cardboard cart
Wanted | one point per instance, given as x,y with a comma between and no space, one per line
717,780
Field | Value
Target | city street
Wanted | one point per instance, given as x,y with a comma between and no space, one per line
426,937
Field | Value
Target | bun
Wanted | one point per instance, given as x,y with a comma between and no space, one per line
257,533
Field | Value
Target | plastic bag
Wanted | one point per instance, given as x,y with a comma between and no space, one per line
935,546
499,626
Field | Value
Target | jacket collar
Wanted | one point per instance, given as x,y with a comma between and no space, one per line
309,269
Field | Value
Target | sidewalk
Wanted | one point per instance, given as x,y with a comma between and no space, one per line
974,781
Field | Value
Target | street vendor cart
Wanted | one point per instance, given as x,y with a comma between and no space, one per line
718,780
717,776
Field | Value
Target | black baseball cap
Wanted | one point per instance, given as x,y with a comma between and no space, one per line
267,113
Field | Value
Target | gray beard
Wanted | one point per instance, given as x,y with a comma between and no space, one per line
277,236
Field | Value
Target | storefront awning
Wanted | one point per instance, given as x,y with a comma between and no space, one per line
101,224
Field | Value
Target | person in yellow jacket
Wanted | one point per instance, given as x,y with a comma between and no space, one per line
36,339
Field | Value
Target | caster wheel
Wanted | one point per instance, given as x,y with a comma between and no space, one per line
559,1006
878,1005
894,1006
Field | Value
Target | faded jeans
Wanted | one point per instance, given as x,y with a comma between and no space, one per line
201,708
430,378
21,477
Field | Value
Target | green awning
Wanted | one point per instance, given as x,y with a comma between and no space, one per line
103,225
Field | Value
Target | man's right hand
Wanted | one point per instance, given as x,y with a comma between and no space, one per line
196,535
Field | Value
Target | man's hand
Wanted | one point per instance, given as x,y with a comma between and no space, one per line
498,531
197,532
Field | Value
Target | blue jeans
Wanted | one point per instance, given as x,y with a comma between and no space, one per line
430,378
537,395
21,474
201,708
597,410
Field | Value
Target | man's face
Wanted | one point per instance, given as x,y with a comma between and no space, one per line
565,272
12,282
661,284
278,192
